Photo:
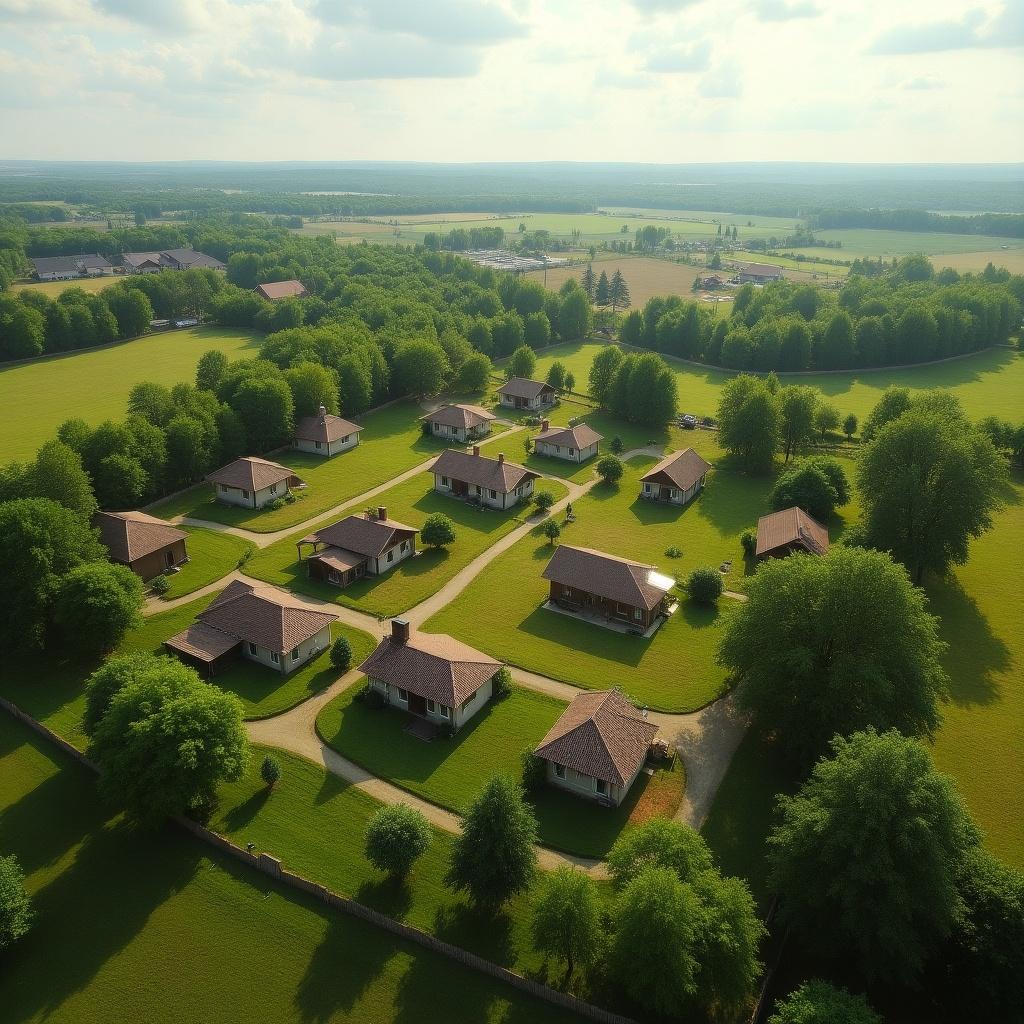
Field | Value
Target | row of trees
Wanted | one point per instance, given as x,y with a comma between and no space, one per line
604,291
459,239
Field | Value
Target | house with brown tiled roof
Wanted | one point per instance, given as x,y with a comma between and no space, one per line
148,546
789,530
357,546
459,422
607,589
492,482
575,444
252,482
325,434
597,747
523,393
678,478
272,290
258,622
431,675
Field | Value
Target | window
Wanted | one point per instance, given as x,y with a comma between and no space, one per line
479,489
334,576
295,654
318,444
566,591
559,771
572,451
403,695
602,786
224,488
391,555
494,494
446,712
245,494
275,657
344,440
404,547
444,481
253,648
431,706
637,614
558,449
273,488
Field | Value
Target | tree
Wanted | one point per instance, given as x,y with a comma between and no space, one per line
565,918
826,419
421,367
396,837
312,386
893,403
867,855
603,371
57,474
552,531
850,426
267,409
96,604
23,330
537,329
587,281
270,771
522,363
602,292
132,310
834,473
704,585
475,373
40,542
929,482
544,500
570,382
167,741
16,915
189,456
797,404
575,316
661,843
644,390
618,292
152,402
107,680
341,652
610,469
818,1002
493,857
556,375
806,486
830,645
438,530
749,422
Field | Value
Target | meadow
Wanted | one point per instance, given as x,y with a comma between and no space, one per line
52,289
874,242
38,395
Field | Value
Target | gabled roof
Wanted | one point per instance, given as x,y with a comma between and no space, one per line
680,469
600,734
281,289
463,416
791,526
616,579
431,665
251,474
580,436
71,264
326,428
481,471
189,258
369,537
131,535
523,387
137,259
759,269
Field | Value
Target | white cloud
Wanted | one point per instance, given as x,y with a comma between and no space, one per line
723,82
680,59
972,30
786,10
663,6
450,22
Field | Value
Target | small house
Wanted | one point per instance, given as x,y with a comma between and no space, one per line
358,546
492,482
66,268
430,675
463,423
597,747
757,273
789,530
147,545
252,482
325,434
273,290
257,622
575,444
522,393
677,478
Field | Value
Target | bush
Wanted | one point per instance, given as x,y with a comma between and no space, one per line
535,771
160,585
818,1002
16,914
374,699
276,505
96,604
748,541
438,530
704,585
396,838
270,771
609,469
502,682
341,653
543,500
673,552
615,445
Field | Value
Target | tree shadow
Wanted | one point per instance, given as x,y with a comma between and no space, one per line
487,934
331,786
242,814
389,895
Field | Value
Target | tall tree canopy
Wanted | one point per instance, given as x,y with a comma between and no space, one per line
749,421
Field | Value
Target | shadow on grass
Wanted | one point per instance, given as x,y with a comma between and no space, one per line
331,786
487,933
391,896
242,814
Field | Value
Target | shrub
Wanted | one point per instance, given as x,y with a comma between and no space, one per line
16,914
615,445
374,699
270,771
502,682
609,469
544,500
673,552
535,771
438,530
818,1002
160,585
704,585
341,653
748,541
396,838
276,505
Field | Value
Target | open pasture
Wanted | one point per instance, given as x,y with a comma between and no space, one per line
873,242
1012,258
54,288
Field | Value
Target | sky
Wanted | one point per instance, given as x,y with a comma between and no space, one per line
659,81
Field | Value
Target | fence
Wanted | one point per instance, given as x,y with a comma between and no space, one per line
272,867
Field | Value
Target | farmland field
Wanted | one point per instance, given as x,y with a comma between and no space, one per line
37,396
1012,259
54,288
873,242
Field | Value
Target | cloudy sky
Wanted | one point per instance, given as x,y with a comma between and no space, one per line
455,80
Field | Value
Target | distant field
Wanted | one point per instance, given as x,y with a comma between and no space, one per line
1011,259
38,396
859,242
54,288
645,276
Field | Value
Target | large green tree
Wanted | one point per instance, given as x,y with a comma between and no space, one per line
97,603
267,409
566,923
830,645
422,367
749,422
522,363
57,474
602,373
818,1002
575,316
312,386
797,404
660,843
16,915
807,487
396,837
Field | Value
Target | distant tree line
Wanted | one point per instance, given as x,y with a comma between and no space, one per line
459,239
1005,225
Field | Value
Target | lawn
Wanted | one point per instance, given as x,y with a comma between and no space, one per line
153,926
38,396
410,581
51,289
211,556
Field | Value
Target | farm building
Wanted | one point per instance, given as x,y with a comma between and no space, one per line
252,482
676,479
757,273
261,623
430,675
608,590
492,482
575,444
168,259
325,434
459,422
522,393
281,290
358,546
148,546
597,747
66,268
792,529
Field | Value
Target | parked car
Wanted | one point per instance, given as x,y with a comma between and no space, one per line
688,422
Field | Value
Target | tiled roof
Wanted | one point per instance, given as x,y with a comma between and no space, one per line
681,469
431,665
136,259
523,387
791,526
615,579
326,428
364,536
462,416
481,471
281,289
69,264
600,734
202,642
189,258
251,474
759,270
132,535
580,436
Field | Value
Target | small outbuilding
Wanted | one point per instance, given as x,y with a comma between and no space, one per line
677,478
575,444
523,393
147,545
791,529
492,482
758,273
273,290
66,268
325,434
459,422
252,482
358,546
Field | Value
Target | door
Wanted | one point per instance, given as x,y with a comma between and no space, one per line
460,488
169,556
417,704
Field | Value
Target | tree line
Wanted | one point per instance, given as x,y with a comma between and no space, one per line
1005,225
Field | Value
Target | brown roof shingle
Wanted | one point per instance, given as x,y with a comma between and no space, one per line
791,526
680,469
251,474
364,536
481,471
461,416
326,428
580,436
600,734
131,535
523,387
281,289
616,579
202,642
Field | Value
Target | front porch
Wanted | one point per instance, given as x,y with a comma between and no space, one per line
601,616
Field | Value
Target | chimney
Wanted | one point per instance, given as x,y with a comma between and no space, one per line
323,411
382,512
544,425
501,456
400,631
476,449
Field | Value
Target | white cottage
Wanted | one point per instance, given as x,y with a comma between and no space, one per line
325,434
492,482
574,444
252,482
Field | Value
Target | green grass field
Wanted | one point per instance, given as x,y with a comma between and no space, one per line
410,581
858,242
139,926
211,556
38,396
51,289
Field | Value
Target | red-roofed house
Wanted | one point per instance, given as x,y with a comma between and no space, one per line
281,290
